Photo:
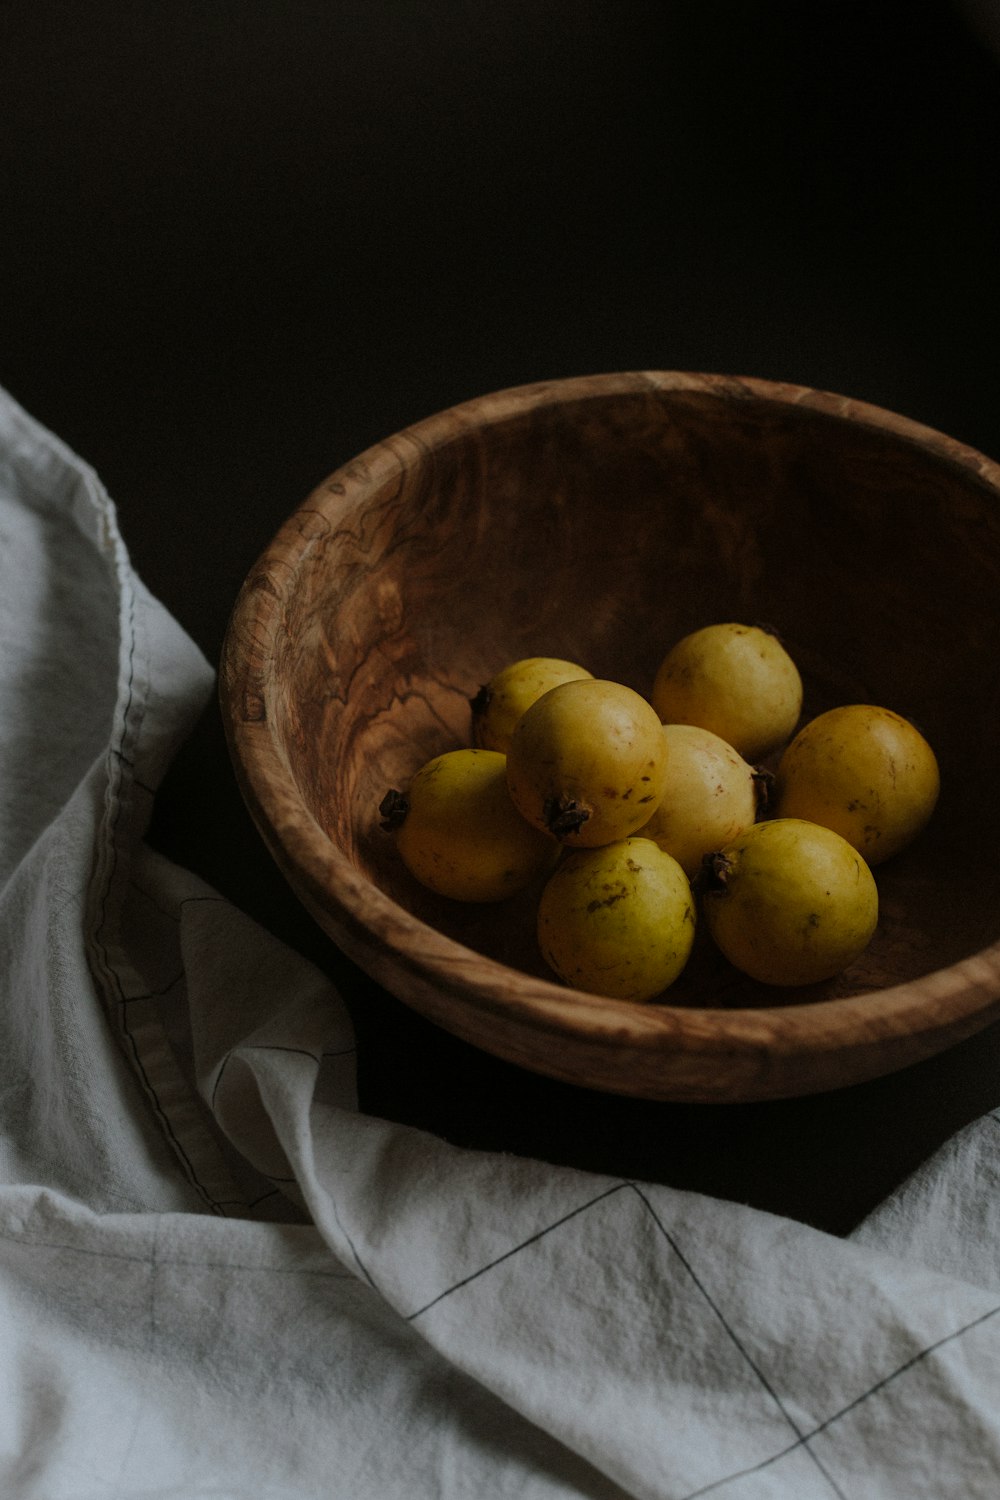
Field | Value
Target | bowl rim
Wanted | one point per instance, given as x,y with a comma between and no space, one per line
966,992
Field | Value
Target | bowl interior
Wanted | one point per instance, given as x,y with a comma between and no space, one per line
602,524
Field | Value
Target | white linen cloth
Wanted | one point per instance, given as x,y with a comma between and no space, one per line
218,1278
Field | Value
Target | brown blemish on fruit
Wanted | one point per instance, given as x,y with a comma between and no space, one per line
607,901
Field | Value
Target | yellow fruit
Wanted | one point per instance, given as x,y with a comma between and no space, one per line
618,920
790,902
737,680
458,832
587,762
712,795
863,771
501,702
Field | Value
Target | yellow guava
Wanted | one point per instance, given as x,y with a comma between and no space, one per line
458,832
712,795
737,680
617,920
863,771
501,702
588,762
790,902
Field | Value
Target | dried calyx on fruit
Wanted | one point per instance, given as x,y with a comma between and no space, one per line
500,704
458,832
789,902
588,762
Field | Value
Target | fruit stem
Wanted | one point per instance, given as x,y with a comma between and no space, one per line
713,877
763,784
564,816
394,808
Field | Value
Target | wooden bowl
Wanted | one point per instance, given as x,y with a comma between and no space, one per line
600,519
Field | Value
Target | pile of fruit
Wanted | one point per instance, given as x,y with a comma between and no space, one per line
643,816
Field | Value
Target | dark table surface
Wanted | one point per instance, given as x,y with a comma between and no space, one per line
241,243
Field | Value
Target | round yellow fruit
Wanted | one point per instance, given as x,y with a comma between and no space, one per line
863,771
790,902
458,832
737,680
618,920
712,795
501,703
588,762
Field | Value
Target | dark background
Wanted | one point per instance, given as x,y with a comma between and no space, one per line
239,242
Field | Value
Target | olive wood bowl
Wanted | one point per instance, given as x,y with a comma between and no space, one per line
599,519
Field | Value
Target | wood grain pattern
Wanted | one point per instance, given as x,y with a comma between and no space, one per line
599,519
